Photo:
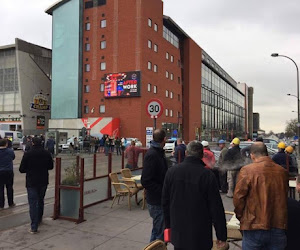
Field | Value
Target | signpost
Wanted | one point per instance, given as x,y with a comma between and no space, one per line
154,109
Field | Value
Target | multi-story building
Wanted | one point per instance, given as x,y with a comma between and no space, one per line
111,57
25,86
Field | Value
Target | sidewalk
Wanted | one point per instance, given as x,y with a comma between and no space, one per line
104,229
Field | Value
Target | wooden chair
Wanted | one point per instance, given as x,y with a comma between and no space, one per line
156,245
126,188
126,173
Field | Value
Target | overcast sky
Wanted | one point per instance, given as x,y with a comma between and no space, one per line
239,35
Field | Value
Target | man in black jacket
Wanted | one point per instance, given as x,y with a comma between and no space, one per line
153,175
36,163
179,153
233,162
192,203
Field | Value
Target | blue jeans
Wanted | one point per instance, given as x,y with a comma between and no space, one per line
156,213
36,205
273,239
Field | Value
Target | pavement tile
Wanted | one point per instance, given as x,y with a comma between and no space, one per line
136,213
117,244
72,240
103,208
21,237
9,246
140,232
61,223
109,226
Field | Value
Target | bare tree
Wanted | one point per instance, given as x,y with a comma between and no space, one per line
291,127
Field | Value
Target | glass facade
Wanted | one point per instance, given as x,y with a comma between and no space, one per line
223,112
66,90
9,87
170,37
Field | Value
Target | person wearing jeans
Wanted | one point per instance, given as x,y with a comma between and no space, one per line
153,175
260,201
36,163
7,156
36,197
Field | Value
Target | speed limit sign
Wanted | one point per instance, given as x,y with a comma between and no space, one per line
154,108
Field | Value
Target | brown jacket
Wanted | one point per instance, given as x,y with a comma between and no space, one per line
260,196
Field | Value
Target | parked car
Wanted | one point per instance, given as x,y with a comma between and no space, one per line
16,137
170,145
271,151
137,142
272,146
65,146
270,141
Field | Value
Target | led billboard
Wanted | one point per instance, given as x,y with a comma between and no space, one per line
126,84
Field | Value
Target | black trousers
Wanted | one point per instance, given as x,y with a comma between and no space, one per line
6,179
223,181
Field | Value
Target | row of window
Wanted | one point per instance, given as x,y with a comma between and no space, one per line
87,110
88,45
87,67
169,112
155,46
102,25
155,26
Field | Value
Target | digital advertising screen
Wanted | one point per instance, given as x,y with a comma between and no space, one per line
125,84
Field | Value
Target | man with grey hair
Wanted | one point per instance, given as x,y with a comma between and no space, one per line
192,203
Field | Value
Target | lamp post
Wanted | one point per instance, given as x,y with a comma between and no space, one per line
298,108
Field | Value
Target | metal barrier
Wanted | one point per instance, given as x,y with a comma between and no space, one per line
94,187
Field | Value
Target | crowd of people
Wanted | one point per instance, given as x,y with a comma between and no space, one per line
186,198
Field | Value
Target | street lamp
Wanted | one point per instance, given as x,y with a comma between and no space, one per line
298,108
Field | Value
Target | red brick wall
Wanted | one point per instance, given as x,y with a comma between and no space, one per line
127,34
192,89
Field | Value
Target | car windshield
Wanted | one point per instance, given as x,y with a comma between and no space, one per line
170,141
19,135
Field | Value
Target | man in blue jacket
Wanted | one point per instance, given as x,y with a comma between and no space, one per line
153,175
7,156
179,153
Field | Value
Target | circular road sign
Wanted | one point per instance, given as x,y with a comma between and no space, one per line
154,108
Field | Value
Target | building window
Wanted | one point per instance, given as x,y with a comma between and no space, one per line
171,113
103,45
155,47
87,47
102,109
149,87
172,58
178,79
167,55
86,88
103,66
167,112
155,27
167,74
87,26
167,93
154,89
172,76
103,23
149,65
102,87
86,109
87,68
149,44
155,68
171,95
149,22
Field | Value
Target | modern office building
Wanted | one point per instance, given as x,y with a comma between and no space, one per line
25,87
110,58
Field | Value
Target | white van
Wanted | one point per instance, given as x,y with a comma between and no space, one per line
16,137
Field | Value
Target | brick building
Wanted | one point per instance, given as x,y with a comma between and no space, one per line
111,57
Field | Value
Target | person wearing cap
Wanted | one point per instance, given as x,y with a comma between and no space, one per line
281,158
293,169
222,169
233,162
208,156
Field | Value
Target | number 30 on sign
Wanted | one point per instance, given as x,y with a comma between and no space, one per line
154,108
